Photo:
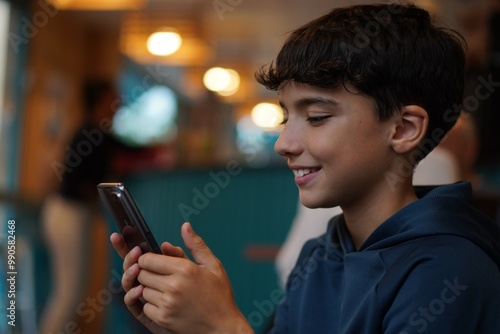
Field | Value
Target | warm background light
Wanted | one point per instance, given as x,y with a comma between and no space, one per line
137,26
97,4
222,80
267,115
164,43
233,85
216,79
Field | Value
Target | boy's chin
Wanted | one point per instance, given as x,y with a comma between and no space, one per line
314,203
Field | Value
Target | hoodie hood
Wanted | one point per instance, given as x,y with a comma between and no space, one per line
442,210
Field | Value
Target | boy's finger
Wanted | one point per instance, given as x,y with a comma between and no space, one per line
133,300
119,244
199,249
168,249
132,257
129,278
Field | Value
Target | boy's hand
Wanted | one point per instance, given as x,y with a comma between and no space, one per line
129,278
178,294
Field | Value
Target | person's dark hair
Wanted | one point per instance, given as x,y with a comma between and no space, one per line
392,53
94,90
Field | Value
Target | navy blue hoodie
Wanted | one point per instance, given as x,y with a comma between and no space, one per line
433,267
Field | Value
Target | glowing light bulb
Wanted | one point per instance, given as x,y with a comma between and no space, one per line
216,79
224,81
267,115
233,85
164,43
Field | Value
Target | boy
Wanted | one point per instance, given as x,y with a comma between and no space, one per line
367,92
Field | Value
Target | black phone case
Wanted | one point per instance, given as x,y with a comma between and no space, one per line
127,216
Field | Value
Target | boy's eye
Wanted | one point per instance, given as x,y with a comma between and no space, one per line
317,119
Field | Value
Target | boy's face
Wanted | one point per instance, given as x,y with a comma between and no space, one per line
337,148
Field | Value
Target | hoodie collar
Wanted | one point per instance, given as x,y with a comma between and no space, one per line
440,210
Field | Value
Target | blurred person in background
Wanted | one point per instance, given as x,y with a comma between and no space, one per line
479,23
69,214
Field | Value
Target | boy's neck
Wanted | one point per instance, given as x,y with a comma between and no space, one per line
364,217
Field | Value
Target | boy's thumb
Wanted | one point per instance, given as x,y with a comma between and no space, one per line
198,248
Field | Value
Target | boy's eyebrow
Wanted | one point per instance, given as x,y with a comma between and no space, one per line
307,101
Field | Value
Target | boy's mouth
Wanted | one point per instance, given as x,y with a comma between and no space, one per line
300,172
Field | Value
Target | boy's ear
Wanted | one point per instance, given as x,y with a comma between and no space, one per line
410,129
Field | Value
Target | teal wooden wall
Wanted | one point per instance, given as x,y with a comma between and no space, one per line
251,208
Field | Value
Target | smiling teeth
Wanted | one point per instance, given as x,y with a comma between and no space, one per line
301,172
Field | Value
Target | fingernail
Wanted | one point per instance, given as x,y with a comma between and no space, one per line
189,228
130,270
138,290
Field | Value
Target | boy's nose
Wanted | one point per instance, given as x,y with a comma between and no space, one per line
288,143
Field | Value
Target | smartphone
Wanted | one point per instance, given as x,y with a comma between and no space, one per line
129,220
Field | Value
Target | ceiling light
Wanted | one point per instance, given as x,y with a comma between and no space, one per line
224,81
164,42
233,85
97,4
267,115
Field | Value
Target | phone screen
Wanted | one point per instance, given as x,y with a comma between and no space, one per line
129,220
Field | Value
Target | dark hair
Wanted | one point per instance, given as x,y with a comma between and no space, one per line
94,90
389,52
